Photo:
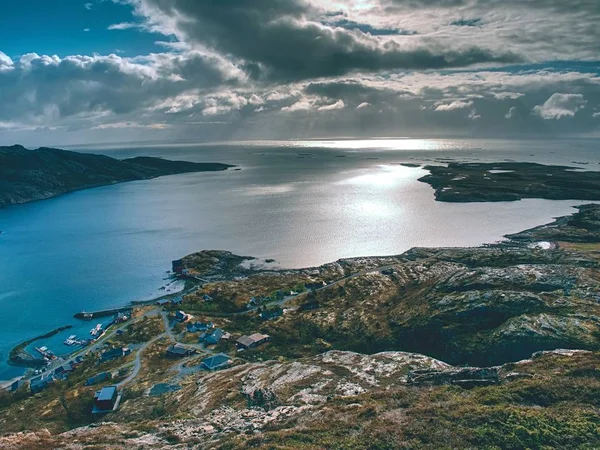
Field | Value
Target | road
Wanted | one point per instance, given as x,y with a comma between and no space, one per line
137,363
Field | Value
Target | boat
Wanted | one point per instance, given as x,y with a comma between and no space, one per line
96,330
72,340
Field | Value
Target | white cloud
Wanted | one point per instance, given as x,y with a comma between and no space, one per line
5,60
86,29
456,104
473,115
337,105
510,113
124,26
88,6
560,105
302,105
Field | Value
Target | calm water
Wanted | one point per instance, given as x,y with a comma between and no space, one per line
301,203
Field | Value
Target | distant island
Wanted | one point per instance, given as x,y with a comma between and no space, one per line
510,181
28,175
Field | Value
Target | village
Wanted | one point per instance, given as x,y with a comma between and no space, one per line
114,355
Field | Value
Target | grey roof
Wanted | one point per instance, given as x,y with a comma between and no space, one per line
106,393
247,341
216,361
179,349
97,378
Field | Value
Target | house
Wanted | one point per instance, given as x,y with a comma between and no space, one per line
270,314
216,362
114,353
64,370
40,383
106,400
199,326
177,300
180,316
309,306
213,338
252,341
98,378
14,387
180,350
120,332
163,302
207,298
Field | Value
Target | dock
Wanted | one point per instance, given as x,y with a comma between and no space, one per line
105,313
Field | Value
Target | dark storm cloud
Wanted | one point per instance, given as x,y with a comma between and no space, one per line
286,39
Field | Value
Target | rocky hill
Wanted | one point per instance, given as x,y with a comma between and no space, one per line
27,175
489,347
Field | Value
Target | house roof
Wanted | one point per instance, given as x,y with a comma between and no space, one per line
179,349
252,339
97,378
106,393
215,336
216,361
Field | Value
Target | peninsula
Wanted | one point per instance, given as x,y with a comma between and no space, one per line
28,175
510,181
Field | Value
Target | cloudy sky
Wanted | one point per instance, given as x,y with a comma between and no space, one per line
74,72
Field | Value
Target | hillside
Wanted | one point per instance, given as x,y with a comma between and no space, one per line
27,175
489,347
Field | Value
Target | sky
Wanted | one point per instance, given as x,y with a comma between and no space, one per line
102,71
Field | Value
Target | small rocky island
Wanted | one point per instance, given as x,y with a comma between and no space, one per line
28,175
510,181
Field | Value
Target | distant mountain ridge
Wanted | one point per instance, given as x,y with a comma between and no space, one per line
28,175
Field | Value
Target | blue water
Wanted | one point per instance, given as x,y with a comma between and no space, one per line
298,203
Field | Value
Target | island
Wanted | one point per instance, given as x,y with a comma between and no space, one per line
495,346
28,175
510,181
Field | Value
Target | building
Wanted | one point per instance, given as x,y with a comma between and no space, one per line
180,316
14,387
114,353
199,326
212,338
216,362
106,400
180,350
163,302
40,383
121,317
207,298
252,341
270,314
98,378
177,300
64,370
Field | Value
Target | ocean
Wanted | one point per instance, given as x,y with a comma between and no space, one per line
302,203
